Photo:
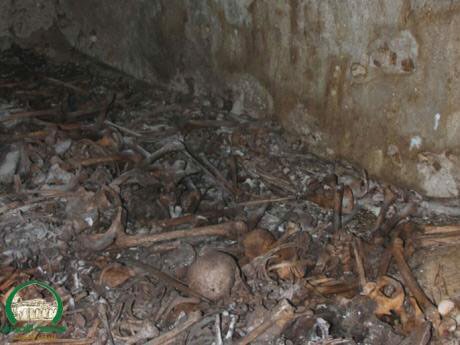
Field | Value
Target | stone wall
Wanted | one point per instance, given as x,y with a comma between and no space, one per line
373,81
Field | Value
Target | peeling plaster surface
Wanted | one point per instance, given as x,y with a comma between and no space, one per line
363,80
251,97
415,143
20,19
29,16
438,175
236,11
437,118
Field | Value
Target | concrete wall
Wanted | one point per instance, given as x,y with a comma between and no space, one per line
373,81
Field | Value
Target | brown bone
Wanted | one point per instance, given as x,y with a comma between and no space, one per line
385,304
229,230
409,280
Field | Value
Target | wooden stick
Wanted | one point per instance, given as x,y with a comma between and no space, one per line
338,202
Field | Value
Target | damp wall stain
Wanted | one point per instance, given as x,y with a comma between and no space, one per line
375,82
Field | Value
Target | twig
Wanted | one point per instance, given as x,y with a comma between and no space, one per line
171,146
122,129
233,163
338,202
266,201
49,112
67,85
211,171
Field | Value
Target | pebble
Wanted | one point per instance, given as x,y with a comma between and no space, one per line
445,307
9,165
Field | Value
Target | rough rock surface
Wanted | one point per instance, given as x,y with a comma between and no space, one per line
375,82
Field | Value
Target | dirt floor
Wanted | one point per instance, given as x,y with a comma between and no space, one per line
161,218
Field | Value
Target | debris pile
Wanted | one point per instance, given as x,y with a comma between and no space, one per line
162,218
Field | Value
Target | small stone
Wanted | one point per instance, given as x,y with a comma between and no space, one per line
8,166
62,146
445,307
358,70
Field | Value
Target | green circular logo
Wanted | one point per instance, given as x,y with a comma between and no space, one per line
9,301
